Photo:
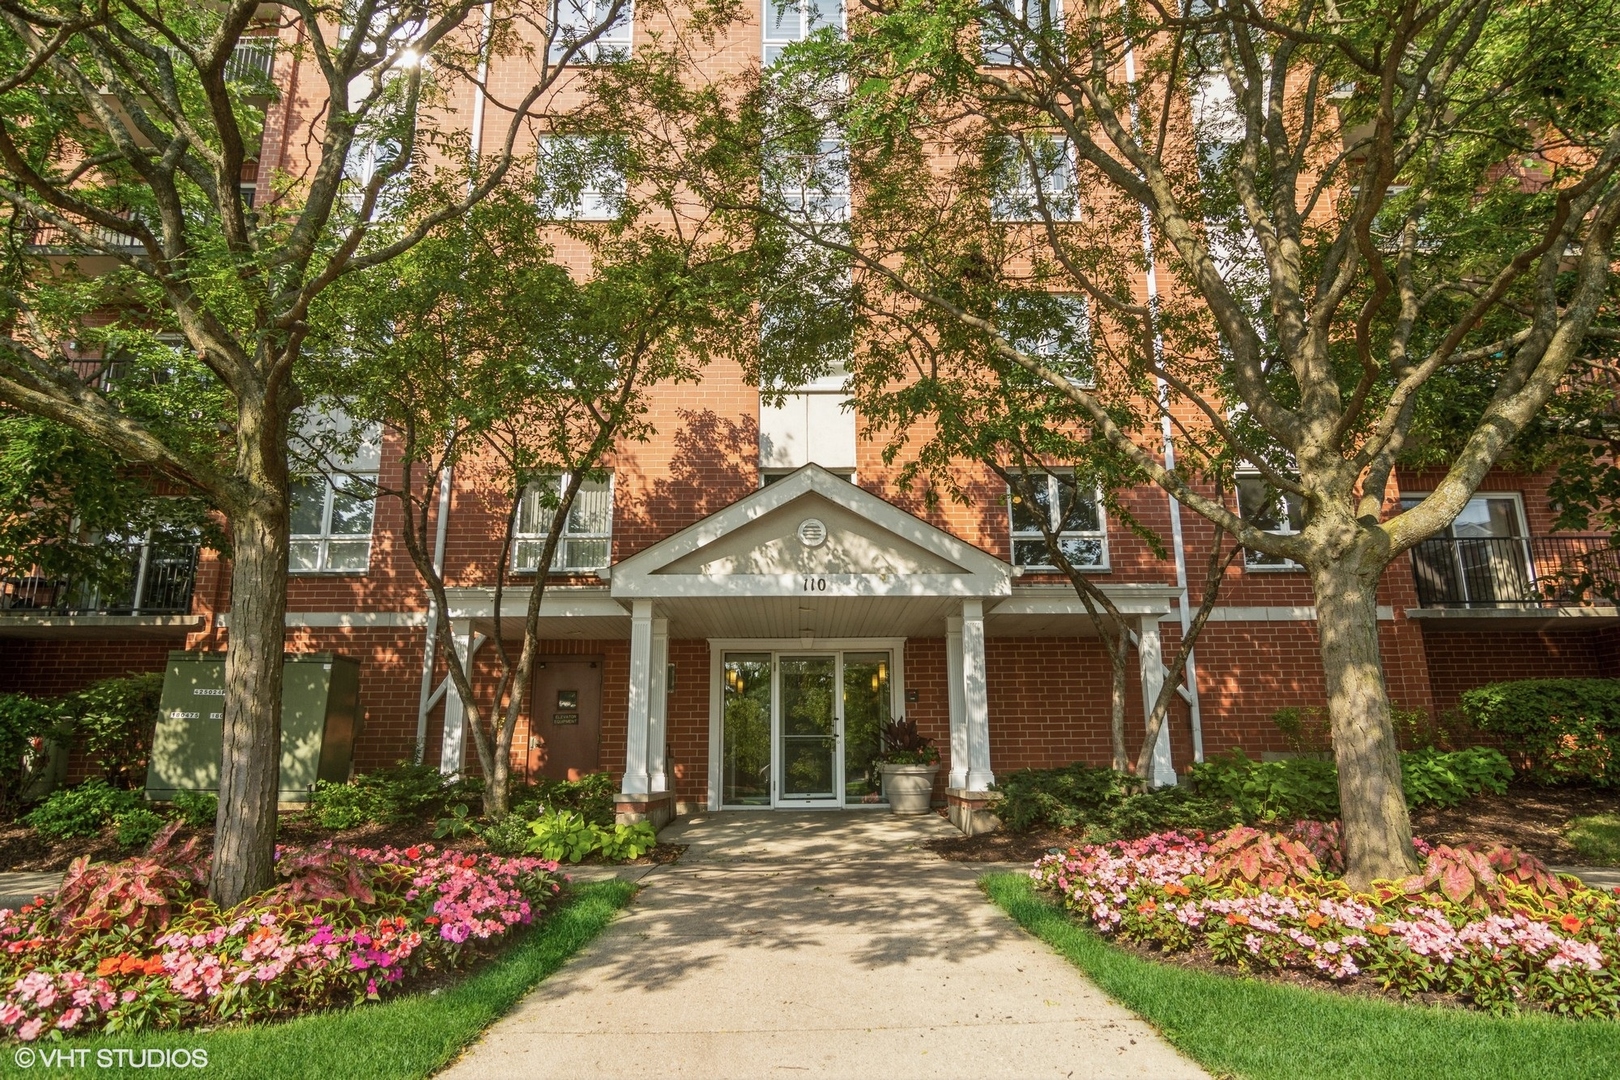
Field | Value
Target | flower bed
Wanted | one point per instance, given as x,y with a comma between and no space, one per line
1493,929
136,944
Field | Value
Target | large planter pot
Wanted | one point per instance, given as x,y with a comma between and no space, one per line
910,787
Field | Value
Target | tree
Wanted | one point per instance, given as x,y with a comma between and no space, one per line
124,132
482,352
1336,204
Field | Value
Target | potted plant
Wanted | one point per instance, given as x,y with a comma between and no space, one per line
909,762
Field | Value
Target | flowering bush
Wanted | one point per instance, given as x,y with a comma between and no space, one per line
136,944
1510,936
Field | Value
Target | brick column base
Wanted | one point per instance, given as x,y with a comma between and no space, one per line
970,810
658,808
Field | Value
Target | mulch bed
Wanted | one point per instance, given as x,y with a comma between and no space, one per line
1532,818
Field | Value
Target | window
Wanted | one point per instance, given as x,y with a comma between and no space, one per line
1075,516
788,21
331,525
582,179
1055,328
813,186
1482,558
575,19
1007,41
366,158
1272,511
1029,171
587,539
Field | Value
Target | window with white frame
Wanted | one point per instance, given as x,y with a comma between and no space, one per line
1054,328
789,21
1032,171
582,179
1008,41
1073,513
813,187
331,524
576,19
586,540
1281,513
366,158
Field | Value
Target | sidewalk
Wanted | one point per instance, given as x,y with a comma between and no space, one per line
816,944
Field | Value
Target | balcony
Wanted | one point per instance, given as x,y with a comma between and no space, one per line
157,597
1528,576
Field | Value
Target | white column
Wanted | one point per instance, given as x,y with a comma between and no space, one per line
658,708
975,698
636,780
1150,660
953,679
455,712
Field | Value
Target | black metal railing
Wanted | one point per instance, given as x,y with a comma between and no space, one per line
1516,571
161,577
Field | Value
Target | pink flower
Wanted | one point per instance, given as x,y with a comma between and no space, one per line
30,1031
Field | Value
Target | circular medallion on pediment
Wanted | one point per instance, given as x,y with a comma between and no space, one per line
812,532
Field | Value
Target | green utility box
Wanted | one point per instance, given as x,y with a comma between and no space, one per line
320,718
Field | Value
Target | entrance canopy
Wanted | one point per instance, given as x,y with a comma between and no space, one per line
814,556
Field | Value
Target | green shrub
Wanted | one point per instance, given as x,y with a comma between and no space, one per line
591,796
27,724
1064,798
621,843
1444,779
113,720
1295,788
135,828
1160,810
81,811
1556,731
1596,839
1305,728
562,836
198,809
510,835
405,792
1308,788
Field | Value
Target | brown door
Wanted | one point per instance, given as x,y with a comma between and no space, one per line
565,725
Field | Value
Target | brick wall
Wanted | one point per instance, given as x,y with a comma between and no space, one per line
53,668
1460,660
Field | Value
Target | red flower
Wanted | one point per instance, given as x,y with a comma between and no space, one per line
469,862
1147,907
1571,923
154,965
108,965
413,852
432,920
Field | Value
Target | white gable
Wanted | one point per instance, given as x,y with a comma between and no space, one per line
811,532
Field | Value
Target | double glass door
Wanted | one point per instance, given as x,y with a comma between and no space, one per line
803,729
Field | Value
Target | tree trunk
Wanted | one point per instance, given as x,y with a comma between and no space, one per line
1377,828
245,830
1119,661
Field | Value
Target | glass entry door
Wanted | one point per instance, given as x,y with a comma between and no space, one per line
803,729
808,765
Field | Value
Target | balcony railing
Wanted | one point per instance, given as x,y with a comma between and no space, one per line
1510,571
161,576
251,60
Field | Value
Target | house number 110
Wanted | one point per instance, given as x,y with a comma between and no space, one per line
815,584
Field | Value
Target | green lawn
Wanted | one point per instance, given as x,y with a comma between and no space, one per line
1596,839
1245,1027
409,1037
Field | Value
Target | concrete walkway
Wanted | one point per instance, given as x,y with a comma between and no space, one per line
816,944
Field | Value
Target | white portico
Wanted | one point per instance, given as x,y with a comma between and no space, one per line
806,592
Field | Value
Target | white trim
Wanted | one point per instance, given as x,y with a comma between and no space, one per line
341,618
1063,600
1306,613
559,601
718,647
637,577
1053,488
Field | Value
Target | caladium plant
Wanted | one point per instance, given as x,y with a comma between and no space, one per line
1478,878
140,893
1261,858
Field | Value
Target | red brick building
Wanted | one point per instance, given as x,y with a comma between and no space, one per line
752,593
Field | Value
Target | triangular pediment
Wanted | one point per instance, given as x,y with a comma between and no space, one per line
811,524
